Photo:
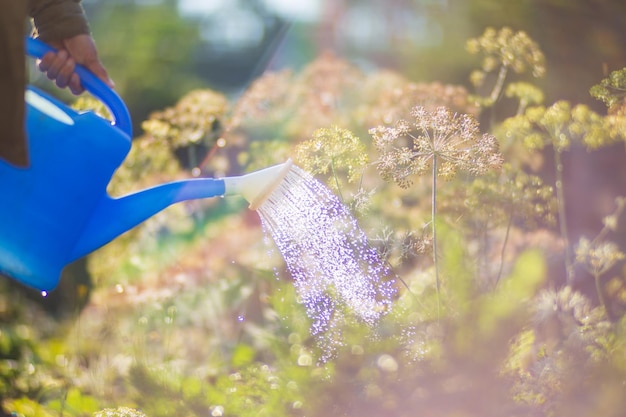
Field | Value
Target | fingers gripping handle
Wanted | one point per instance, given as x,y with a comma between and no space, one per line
93,84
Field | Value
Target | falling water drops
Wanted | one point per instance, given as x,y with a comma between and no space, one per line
44,294
335,271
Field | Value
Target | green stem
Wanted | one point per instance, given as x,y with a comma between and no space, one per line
497,88
433,215
506,240
522,107
600,293
560,197
332,168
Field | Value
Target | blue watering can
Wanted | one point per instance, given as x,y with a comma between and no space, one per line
58,210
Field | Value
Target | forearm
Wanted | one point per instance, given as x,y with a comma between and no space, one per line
58,19
12,82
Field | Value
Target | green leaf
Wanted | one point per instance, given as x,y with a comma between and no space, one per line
242,355
510,297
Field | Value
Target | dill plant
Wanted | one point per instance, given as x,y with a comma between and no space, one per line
558,126
331,150
599,255
503,51
439,143
612,92
501,198
598,258
526,94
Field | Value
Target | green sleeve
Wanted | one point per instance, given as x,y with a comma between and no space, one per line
58,19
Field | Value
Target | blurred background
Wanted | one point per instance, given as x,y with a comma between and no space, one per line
157,50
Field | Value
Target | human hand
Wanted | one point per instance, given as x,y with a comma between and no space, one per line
60,66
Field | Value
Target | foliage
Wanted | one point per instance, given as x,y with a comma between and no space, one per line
194,118
559,126
146,48
193,314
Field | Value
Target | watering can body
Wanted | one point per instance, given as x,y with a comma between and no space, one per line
57,209
47,205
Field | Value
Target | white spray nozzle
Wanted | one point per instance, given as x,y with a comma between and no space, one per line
256,186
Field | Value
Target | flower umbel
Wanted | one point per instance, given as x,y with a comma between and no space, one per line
611,90
439,142
597,257
504,50
508,49
330,150
453,139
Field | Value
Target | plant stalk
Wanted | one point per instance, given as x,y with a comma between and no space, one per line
497,88
332,168
433,215
560,197
596,278
506,240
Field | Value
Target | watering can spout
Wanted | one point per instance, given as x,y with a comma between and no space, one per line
115,216
257,186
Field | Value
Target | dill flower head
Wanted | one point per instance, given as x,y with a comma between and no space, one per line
558,126
612,90
565,301
438,139
194,119
330,150
119,412
597,257
526,93
505,48
512,193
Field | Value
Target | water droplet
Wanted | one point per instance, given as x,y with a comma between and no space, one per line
44,294
240,318
328,256
305,360
387,363
217,411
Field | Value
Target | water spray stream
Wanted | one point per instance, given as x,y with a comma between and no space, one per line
336,273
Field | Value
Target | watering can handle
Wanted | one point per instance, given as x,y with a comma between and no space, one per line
93,84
